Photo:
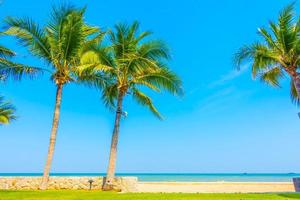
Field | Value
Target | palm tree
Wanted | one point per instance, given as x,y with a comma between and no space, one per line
60,44
278,53
130,63
6,112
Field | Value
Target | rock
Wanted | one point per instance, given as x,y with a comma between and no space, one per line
124,184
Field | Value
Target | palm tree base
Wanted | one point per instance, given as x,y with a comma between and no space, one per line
109,185
43,186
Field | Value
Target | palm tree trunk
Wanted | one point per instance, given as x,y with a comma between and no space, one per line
297,84
47,168
109,180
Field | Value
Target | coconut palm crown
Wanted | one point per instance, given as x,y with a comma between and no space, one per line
131,63
59,44
7,111
278,54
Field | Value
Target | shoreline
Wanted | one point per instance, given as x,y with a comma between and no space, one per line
132,184
215,187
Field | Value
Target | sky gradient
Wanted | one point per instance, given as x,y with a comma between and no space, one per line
226,122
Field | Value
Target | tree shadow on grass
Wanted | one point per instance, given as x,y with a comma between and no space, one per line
290,195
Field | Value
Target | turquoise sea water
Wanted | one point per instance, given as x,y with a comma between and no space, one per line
157,177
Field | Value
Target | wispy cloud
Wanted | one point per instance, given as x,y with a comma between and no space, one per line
229,76
222,80
216,98
222,99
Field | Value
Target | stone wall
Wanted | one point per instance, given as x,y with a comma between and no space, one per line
125,184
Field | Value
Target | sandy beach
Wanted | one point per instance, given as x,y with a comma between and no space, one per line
215,187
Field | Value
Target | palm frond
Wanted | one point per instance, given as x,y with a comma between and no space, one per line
145,83
109,95
132,30
162,78
154,50
93,42
268,38
262,57
142,36
7,111
5,52
286,27
18,71
144,100
72,35
55,28
244,53
89,78
272,76
29,35
96,60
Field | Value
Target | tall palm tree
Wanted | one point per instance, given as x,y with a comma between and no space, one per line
60,44
6,112
131,63
278,53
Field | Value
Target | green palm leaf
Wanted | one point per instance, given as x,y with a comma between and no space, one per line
29,35
144,100
7,111
10,69
5,52
17,71
272,76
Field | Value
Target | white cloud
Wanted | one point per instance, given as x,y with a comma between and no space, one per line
229,76
223,98
223,80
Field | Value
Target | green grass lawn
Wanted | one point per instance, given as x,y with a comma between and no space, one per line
86,195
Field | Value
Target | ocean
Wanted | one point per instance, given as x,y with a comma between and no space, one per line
188,177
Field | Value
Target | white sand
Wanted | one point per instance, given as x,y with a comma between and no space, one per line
215,187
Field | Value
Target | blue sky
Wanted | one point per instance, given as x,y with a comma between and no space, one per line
226,122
